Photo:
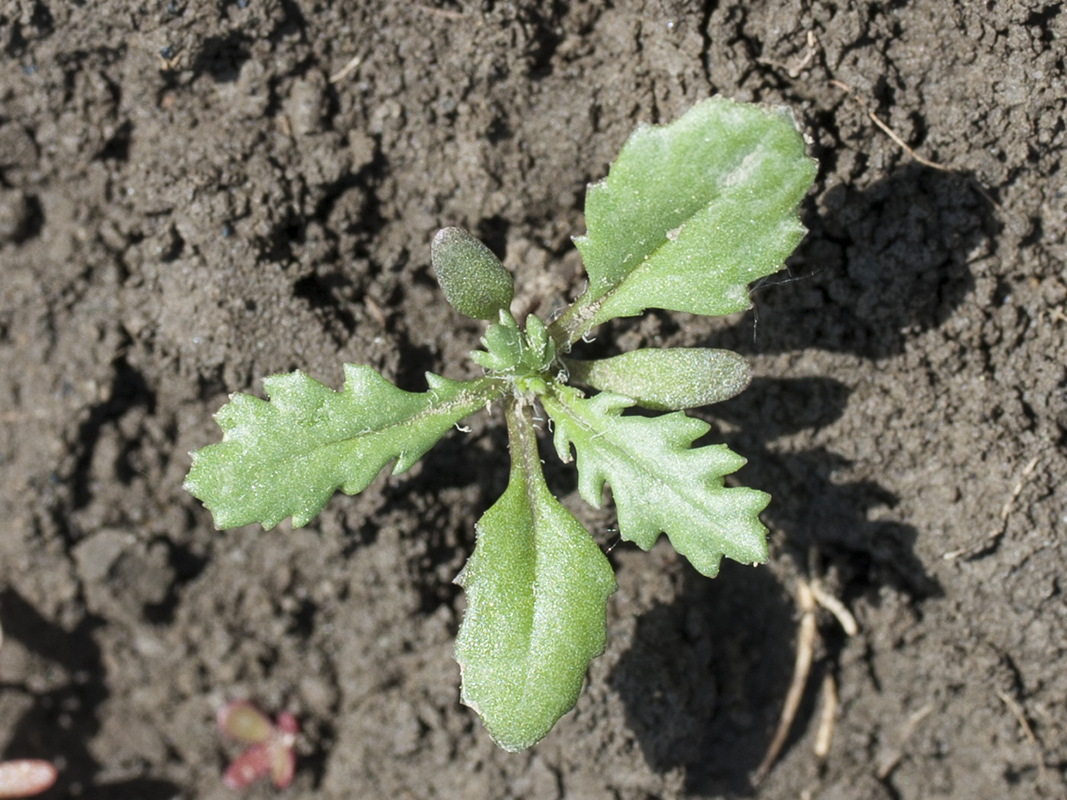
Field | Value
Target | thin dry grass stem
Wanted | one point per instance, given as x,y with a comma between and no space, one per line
810,595
1020,715
835,607
888,131
990,542
795,70
440,12
346,70
889,762
375,311
801,668
825,733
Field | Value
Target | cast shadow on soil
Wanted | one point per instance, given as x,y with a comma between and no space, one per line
129,390
63,719
221,57
455,462
811,506
706,676
878,266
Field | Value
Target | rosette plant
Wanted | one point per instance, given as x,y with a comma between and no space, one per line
689,214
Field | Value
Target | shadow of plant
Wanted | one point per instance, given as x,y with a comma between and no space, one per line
62,721
706,676
878,266
704,672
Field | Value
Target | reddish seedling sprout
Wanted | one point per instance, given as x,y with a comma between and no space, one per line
270,749
25,777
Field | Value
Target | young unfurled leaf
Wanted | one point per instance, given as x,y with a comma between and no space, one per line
243,722
515,353
536,589
473,280
288,456
659,482
669,379
690,213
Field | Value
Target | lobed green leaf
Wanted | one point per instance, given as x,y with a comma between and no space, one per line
288,456
536,589
690,213
667,380
659,481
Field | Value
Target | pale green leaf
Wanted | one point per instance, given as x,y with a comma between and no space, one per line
510,352
473,280
690,213
667,380
286,457
536,589
660,483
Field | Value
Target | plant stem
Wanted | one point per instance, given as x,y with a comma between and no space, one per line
522,438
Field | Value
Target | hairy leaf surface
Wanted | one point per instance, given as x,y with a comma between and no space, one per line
473,280
667,380
690,213
659,481
286,457
536,586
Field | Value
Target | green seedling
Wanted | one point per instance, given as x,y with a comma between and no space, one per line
689,214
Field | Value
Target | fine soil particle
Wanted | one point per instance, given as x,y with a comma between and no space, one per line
193,196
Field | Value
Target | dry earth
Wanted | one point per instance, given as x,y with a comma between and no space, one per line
194,195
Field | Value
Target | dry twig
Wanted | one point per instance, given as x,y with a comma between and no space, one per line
885,128
888,131
825,734
835,607
989,543
795,70
801,668
346,70
810,594
890,759
1017,710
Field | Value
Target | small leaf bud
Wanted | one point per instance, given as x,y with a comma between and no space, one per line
668,379
474,281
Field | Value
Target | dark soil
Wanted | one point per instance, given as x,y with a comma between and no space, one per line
189,202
